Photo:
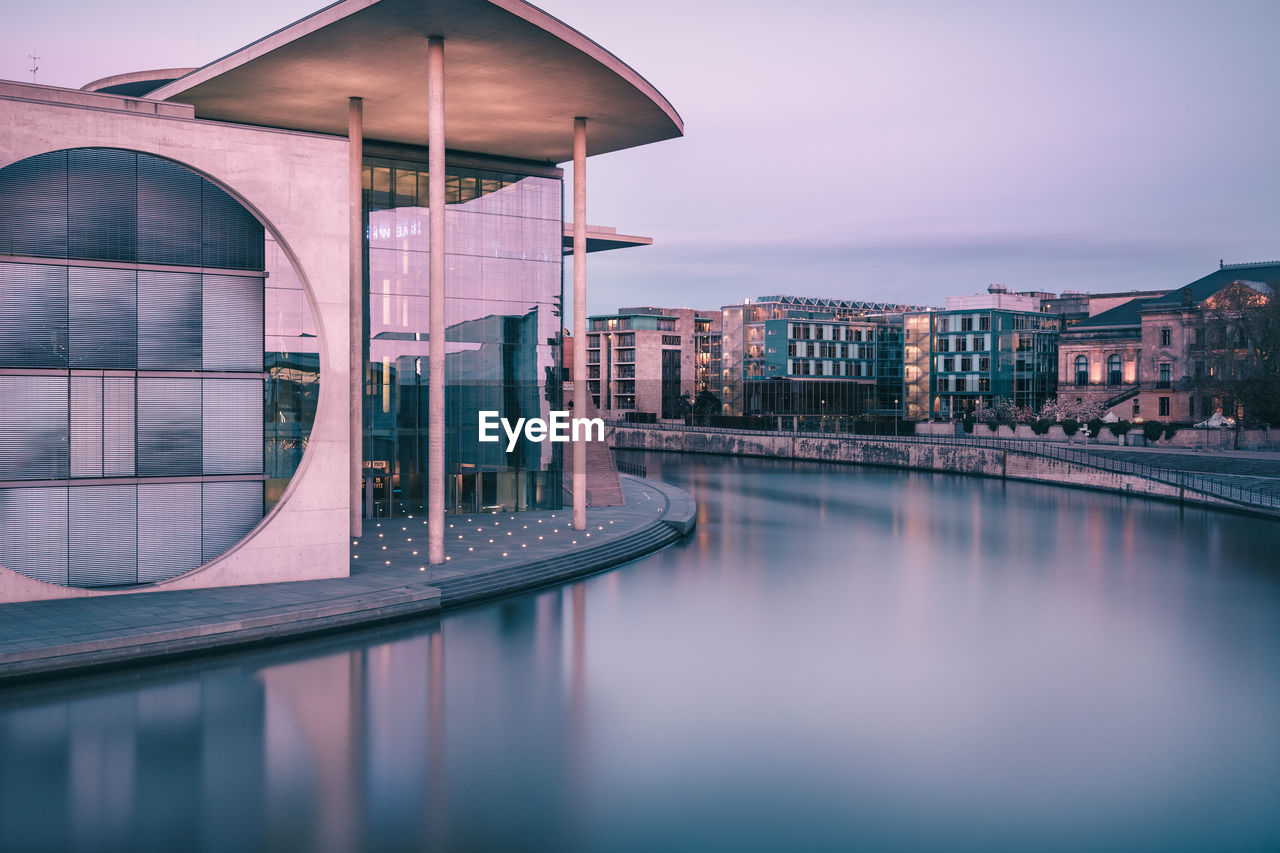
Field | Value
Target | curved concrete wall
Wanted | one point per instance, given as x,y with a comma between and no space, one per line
922,455
297,185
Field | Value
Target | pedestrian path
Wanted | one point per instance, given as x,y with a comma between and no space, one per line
487,555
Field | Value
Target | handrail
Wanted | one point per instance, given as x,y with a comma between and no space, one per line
1187,480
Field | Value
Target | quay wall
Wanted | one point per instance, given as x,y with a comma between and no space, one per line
919,455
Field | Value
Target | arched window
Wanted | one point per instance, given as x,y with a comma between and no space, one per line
1113,370
1082,370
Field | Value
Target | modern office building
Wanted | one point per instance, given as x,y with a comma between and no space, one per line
979,350
644,361
795,355
1149,357
230,325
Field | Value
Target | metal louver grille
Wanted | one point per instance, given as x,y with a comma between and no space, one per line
231,510
103,327
169,323
33,428
168,213
33,207
169,530
233,322
118,425
233,239
86,426
233,426
102,204
33,315
168,427
103,546
33,532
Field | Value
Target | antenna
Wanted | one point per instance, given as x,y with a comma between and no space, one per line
35,60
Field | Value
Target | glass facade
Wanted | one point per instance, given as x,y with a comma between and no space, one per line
131,369
502,340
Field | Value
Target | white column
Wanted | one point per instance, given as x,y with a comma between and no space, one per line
580,319
435,280
355,236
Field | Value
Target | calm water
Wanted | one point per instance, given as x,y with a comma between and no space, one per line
838,658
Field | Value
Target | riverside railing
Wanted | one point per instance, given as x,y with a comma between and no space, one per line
1188,481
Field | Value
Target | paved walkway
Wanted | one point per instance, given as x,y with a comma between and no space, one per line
488,555
1258,470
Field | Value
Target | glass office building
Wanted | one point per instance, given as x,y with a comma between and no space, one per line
503,325
146,421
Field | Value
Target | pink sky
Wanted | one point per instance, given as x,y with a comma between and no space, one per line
876,150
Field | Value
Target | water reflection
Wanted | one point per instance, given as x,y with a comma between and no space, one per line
838,657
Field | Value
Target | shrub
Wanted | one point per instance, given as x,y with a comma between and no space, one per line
993,425
1070,426
1170,430
1152,430
1120,427
967,423
1041,426
1095,426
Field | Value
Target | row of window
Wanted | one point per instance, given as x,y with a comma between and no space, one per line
111,205
119,535
96,317
962,343
801,367
820,332
965,324
966,365
61,427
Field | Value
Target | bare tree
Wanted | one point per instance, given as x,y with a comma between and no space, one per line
1239,345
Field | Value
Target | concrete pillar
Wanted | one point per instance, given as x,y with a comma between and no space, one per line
355,385
435,282
580,319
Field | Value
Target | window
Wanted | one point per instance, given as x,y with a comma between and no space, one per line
966,324
1113,370
1166,337
966,365
1164,407
984,384
984,323
984,364
943,323
671,340
944,345
948,365
1082,370
627,340
1166,375
593,341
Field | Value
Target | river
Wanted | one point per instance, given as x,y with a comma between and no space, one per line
837,658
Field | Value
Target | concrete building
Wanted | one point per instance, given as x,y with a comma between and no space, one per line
179,246
644,361
1146,358
978,350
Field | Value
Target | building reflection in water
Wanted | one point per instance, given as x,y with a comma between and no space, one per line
774,682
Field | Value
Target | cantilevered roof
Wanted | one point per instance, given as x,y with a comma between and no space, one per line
601,238
515,78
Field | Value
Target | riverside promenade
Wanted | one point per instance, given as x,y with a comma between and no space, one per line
489,555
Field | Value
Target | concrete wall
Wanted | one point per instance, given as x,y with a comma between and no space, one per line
952,458
297,185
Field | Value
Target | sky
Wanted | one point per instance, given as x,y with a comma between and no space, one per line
892,151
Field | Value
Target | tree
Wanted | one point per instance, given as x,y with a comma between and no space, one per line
706,403
1239,346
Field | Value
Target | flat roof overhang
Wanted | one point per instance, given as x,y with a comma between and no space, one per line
601,238
515,79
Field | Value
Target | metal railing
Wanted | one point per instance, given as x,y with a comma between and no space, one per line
635,469
1189,481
